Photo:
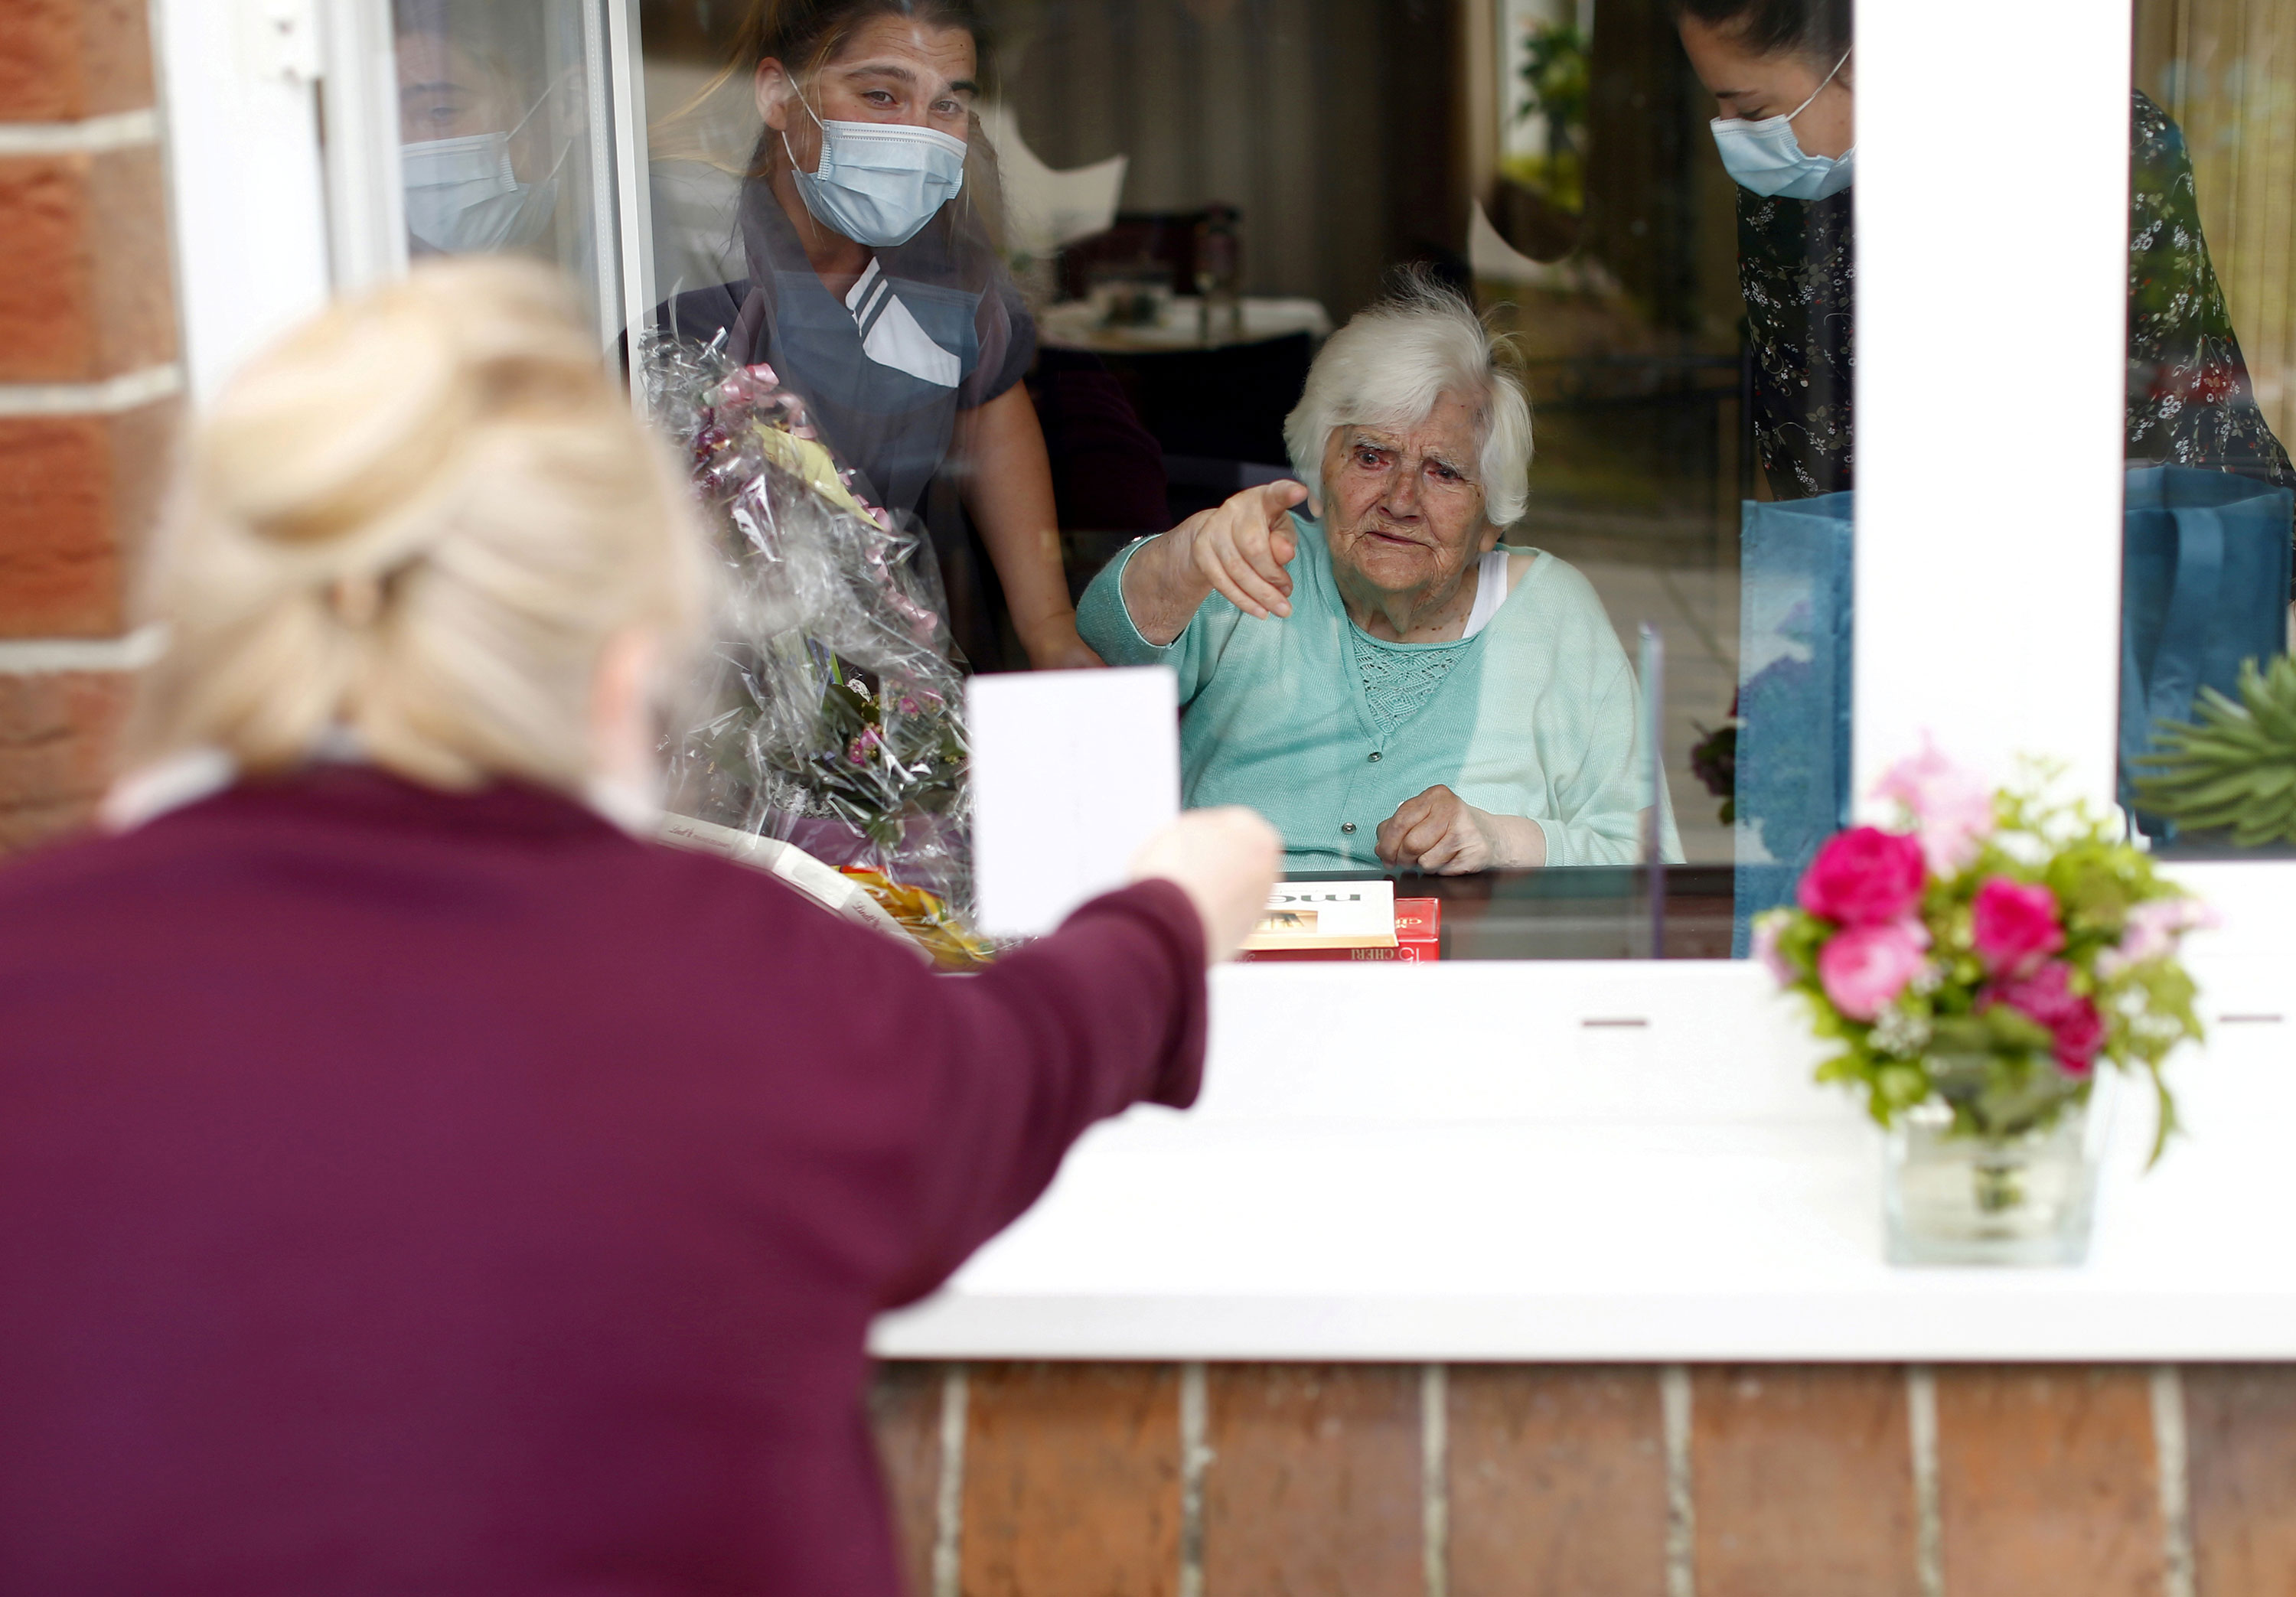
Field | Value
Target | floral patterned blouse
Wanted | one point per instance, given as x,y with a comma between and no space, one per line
2189,399
1797,269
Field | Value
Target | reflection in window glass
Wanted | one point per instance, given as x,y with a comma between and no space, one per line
2206,576
1778,82
1215,245
501,112
704,135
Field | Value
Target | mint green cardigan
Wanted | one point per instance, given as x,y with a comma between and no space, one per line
1540,717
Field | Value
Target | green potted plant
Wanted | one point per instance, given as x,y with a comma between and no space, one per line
2233,770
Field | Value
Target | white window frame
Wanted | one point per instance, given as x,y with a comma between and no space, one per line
366,210
1990,412
1984,125
283,161
1989,473
238,87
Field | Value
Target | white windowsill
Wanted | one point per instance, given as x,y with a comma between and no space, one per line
1445,1163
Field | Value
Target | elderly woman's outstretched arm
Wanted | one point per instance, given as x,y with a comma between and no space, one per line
1239,549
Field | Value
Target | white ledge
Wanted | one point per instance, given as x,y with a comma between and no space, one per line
1445,1163
90,136
130,391
34,657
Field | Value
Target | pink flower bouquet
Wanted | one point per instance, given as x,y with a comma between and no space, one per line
1986,952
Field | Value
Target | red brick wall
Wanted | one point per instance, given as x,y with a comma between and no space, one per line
89,376
1255,1480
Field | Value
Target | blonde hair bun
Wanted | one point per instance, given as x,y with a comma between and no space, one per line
420,515
328,430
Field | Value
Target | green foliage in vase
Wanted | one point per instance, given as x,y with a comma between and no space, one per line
2234,770
1988,957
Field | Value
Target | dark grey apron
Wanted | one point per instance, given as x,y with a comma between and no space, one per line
891,425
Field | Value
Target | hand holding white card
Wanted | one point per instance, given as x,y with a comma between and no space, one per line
1072,771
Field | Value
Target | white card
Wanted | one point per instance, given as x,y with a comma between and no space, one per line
1072,771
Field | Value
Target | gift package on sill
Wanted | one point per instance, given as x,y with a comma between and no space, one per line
1352,920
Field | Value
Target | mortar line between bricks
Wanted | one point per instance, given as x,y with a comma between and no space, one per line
2172,1461
1195,1458
90,136
948,1500
1681,1502
1929,1523
130,391
41,656
1435,1479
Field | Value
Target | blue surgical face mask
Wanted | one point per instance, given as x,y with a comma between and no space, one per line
462,197
1766,157
879,183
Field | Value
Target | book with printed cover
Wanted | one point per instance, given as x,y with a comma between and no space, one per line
1325,915
1418,941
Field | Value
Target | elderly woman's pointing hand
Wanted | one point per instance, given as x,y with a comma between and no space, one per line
1238,549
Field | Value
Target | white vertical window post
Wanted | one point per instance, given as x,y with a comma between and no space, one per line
631,169
366,205
237,81
1992,292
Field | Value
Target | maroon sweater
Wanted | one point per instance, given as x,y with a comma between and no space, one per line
405,1192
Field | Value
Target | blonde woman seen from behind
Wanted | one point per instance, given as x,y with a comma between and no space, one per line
425,522
409,1179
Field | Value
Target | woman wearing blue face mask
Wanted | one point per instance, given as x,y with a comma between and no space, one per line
478,178
1783,74
874,293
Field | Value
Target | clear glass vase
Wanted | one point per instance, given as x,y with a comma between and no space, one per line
2027,1198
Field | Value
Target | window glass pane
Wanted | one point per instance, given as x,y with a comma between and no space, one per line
1173,218
2212,333
504,137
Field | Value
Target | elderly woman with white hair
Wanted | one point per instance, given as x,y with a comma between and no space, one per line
1380,676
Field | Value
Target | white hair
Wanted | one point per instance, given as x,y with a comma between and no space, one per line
1388,367
421,516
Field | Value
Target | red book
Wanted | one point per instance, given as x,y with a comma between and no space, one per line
1418,940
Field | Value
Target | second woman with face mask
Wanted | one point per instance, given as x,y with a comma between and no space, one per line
874,293
1782,75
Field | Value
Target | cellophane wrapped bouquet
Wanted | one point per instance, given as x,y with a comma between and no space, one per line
1988,952
831,712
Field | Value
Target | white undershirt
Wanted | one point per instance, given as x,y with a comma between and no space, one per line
1491,591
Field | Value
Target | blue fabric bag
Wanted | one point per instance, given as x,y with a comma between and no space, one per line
2204,581
1793,695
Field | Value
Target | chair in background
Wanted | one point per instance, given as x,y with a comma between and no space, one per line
1140,243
